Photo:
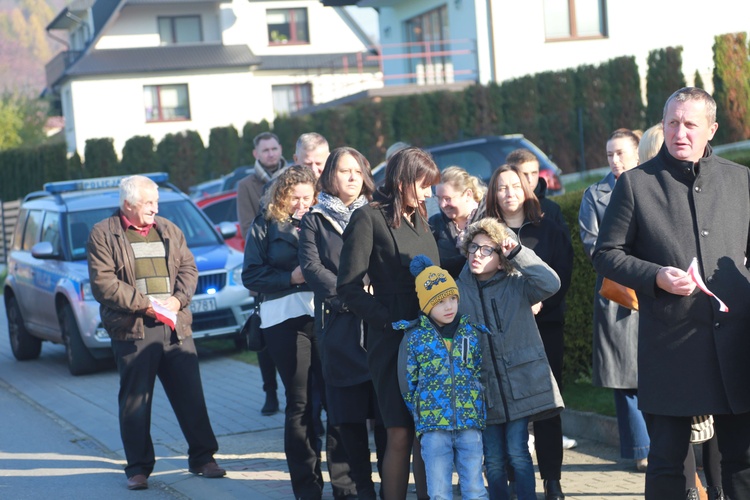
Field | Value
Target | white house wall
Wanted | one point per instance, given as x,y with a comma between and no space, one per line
136,25
244,21
114,108
635,28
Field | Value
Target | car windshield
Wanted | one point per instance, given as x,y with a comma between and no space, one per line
198,231
477,159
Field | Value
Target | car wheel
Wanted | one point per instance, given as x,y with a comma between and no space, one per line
23,345
80,360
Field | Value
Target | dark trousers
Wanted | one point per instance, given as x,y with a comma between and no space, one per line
548,432
294,350
669,445
267,371
176,364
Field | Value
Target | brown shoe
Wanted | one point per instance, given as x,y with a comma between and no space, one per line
138,482
211,470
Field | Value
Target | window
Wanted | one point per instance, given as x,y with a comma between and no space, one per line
290,98
287,26
165,103
426,37
183,29
51,230
565,19
31,233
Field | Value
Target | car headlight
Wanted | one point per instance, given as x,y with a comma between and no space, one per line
235,276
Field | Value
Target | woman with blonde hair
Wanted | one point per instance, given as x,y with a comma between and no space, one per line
650,143
461,198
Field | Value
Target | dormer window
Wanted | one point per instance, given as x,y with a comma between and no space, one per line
287,26
180,29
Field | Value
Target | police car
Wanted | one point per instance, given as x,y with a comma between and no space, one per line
47,292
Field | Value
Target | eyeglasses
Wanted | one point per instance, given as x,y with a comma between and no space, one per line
485,250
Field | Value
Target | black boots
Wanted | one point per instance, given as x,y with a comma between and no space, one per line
271,406
553,490
692,494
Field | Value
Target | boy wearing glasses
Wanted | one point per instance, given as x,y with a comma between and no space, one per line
439,363
499,284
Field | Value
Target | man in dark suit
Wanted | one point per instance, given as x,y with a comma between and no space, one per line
686,205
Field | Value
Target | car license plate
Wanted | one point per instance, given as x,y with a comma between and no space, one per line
203,305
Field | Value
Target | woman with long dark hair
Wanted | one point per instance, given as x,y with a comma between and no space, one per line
511,200
345,185
379,243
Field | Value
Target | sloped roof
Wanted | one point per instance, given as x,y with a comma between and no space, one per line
167,58
315,61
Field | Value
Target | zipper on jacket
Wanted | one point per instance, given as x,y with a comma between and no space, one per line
494,357
498,321
453,381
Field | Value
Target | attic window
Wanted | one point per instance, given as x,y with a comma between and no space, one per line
180,29
165,103
287,26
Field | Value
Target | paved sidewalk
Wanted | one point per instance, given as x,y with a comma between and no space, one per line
251,446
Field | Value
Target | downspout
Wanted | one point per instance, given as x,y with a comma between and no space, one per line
491,31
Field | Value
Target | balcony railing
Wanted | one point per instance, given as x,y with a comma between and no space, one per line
57,66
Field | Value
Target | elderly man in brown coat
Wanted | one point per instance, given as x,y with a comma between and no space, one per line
693,358
141,270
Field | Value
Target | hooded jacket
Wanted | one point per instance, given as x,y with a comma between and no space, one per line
441,388
516,374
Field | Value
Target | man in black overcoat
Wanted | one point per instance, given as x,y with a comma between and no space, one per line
693,357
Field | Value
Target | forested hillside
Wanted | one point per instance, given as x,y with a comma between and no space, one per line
25,46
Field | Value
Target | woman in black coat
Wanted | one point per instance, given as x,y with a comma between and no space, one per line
345,185
379,244
511,200
272,268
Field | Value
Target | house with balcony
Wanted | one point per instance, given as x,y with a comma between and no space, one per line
425,42
155,67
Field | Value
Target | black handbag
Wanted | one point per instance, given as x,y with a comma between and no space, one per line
251,331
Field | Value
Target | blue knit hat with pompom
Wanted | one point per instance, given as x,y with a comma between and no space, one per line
432,283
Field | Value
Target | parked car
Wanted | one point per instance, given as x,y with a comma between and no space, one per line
480,157
220,208
224,183
47,292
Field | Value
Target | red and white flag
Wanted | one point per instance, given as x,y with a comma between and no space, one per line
164,315
695,275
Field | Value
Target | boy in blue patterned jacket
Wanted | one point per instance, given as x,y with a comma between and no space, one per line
439,366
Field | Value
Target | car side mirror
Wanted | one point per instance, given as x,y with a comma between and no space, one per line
227,229
44,250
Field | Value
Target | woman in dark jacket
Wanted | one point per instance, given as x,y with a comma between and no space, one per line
271,268
345,185
511,200
379,243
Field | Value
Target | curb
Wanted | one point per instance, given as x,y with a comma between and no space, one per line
592,426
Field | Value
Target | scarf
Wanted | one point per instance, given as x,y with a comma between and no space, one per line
334,209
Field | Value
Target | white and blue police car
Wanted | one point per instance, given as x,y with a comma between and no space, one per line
47,293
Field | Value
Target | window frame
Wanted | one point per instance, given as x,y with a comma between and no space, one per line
173,30
160,108
297,89
293,39
573,28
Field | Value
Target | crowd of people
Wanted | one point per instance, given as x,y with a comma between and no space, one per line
445,335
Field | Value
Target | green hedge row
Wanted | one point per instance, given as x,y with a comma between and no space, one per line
580,298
